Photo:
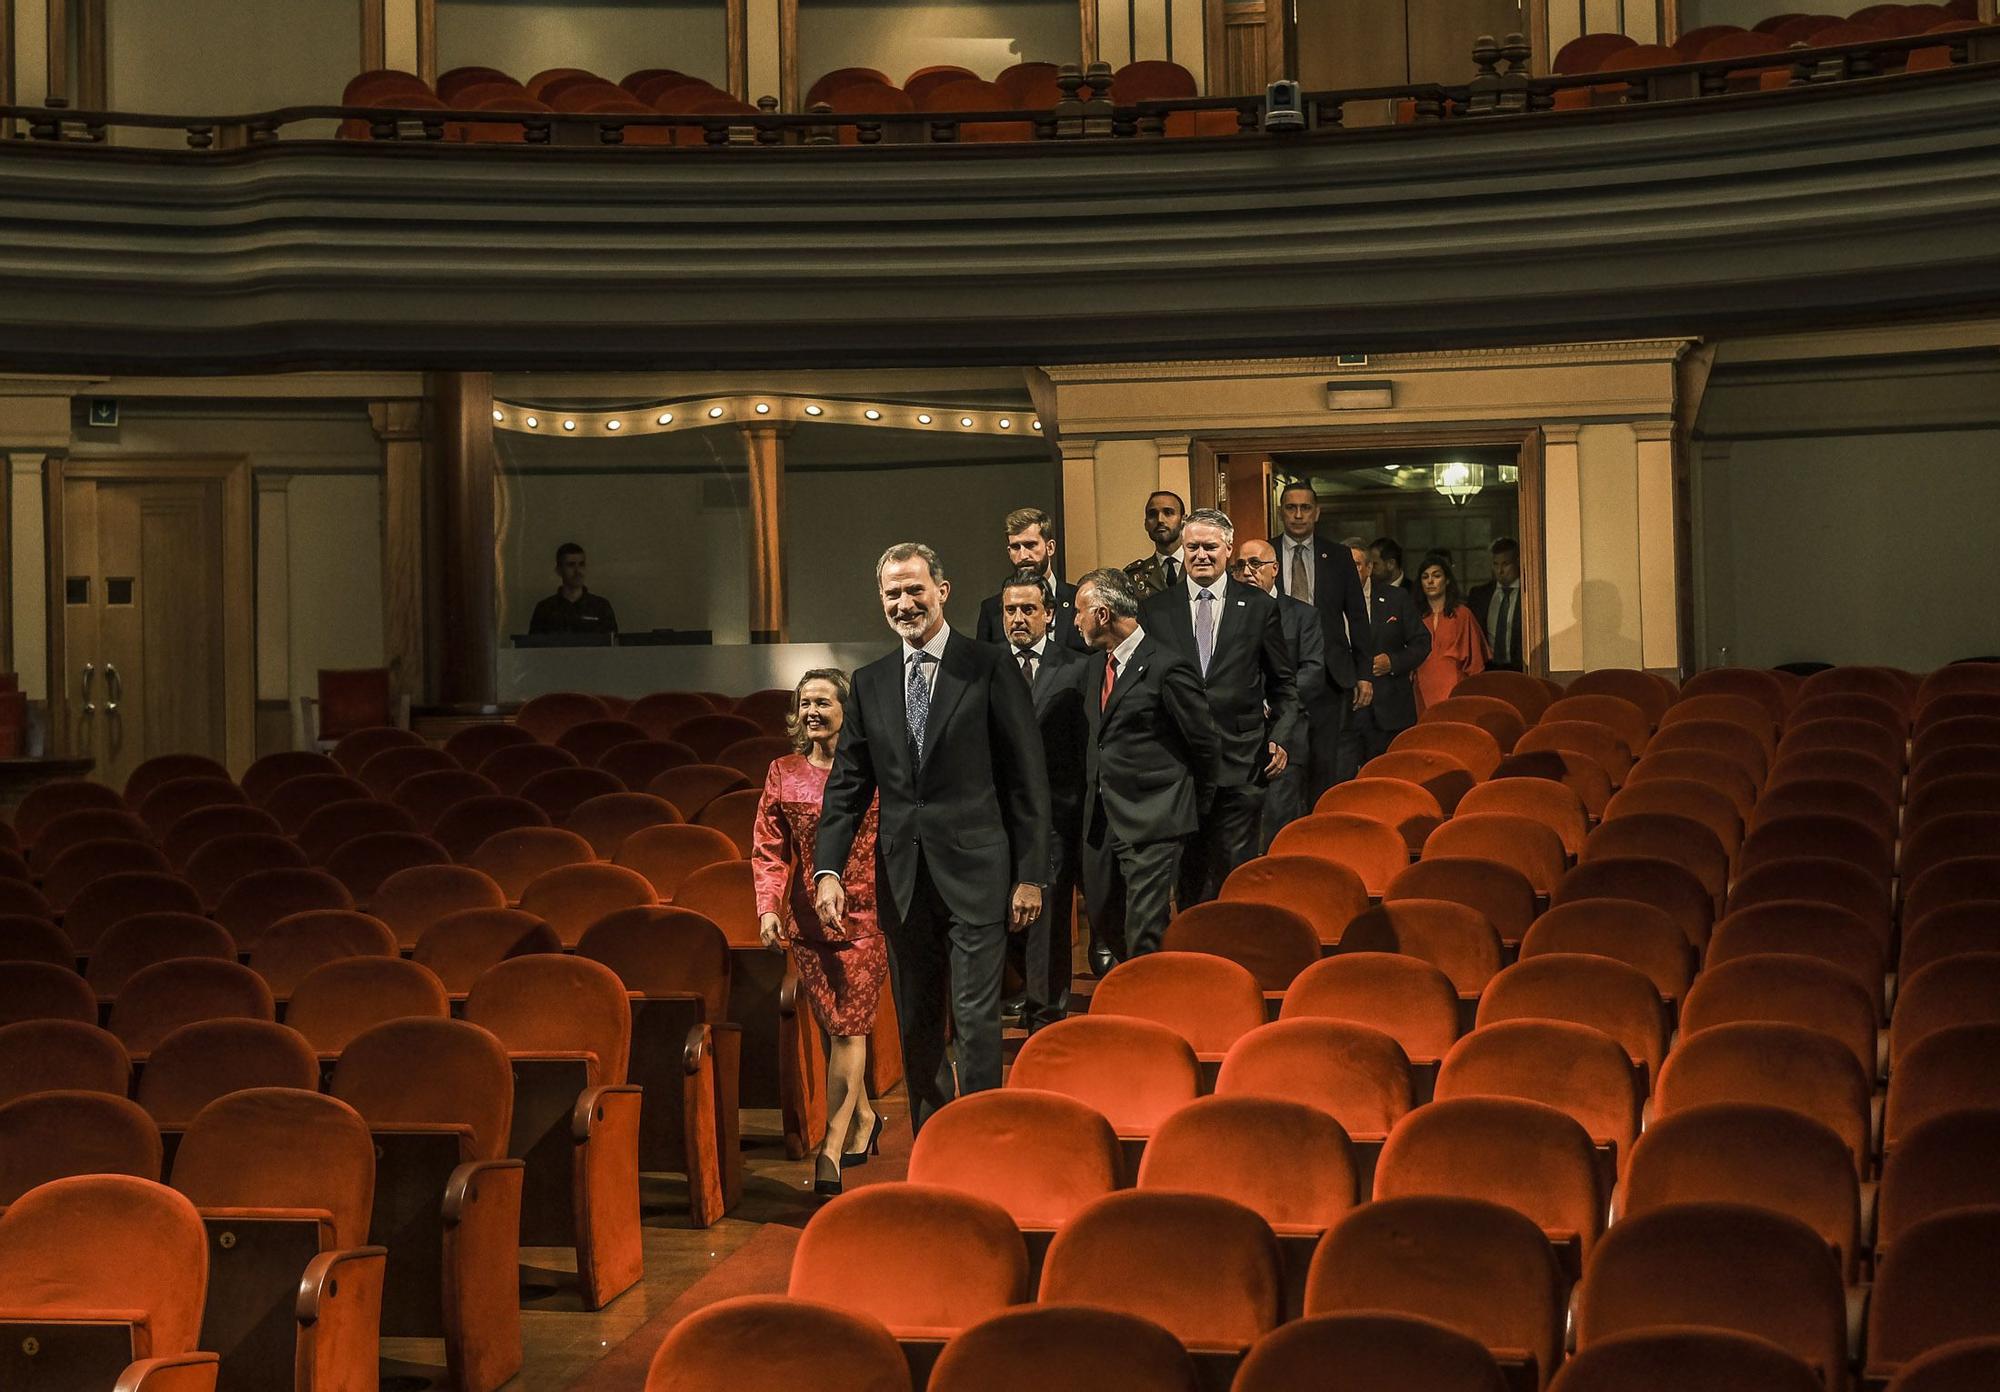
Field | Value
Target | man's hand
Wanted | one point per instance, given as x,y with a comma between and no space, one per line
830,900
1364,694
1278,760
1027,907
1381,664
768,929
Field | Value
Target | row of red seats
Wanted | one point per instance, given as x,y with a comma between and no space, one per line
1589,52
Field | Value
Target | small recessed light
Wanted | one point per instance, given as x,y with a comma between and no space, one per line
569,425
1006,424
611,425
666,418
763,408
532,422
814,411
923,420
965,421
714,411
872,414
1034,425
499,416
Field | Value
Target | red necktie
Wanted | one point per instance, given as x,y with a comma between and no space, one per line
1110,680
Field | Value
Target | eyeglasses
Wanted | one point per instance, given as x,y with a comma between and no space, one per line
1253,566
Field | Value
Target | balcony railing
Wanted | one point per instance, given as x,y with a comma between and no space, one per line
1500,86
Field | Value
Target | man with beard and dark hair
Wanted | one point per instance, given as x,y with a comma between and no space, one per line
943,729
1031,550
1165,515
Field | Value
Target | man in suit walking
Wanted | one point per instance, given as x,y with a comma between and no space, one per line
1236,640
1401,642
1256,563
1150,764
1496,605
1165,515
944,730
1051,672
1031,546
1318,573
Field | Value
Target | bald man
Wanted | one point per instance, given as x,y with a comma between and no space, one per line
1256,563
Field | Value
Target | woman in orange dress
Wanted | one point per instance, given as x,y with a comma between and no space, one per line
842,973
1458,648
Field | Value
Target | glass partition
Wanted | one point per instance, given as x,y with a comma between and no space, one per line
897,37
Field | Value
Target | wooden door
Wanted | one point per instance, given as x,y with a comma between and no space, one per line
143,646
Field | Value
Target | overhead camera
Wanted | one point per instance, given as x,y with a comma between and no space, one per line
1284,110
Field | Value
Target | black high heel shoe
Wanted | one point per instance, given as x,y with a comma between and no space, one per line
872,1146
822,1186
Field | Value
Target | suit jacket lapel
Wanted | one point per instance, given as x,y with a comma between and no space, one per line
950,685
1179,620
1136,668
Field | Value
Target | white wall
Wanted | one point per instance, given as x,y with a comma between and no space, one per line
608,37
1696,13
224,57
900,36
1872,548
334,574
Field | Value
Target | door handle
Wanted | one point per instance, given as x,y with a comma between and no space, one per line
89,672
114,689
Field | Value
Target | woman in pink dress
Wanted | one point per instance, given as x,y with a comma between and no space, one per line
842,973
1458,648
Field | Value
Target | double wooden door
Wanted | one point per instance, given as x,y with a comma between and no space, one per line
142,651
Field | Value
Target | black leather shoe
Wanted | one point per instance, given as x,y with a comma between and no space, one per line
1013,1011
1101,960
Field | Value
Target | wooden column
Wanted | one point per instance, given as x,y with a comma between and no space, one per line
374,36
764,451
399,425
467,645
427,41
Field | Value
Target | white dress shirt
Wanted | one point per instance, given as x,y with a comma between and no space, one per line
1121,656
1040,652
935,648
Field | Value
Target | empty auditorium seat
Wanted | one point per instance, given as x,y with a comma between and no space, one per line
1522,843
1741,746
465,827
1204,1268
1455,939
21,898
1406,998
428,796
1676,1359
1040,1155
470,746
102,1279
29,938
170,801
272,771
1961,990
263,897
1600,744
1942,1164
1408,808
1133,1072
285,1180
1444,776
1573,1068
1370,1349
513,858
61,1055
133,944
44,803
1964,1365
1787,989
83,867
346,996
1777,1065
1935,1286
926,1260
361,865
559,791
42,991
572,897
1972,925
1498,718
546,717
1274,944
53,1135
1526,694
334,824
206,824
768,1343
159,999
1209,1000
1829,834
1606,995
459,946
296,799
733,814
1477,1267
1092,1347
84,826
659,712
438,1097
639,762
1323,892
1665,836
591,740
1701,766
392,767
605,821
411,900
753,757
207,1059
692,787
1638,935
1356,1074
1503,894
222,861
1951,882
1765,688
512,766
666,855
567,1029
1645,880
1860,736
1555,805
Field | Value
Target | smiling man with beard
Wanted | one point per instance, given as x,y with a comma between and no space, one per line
944,730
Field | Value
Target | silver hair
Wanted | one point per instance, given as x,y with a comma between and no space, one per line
1114,590
1355,544
1212,517
905,550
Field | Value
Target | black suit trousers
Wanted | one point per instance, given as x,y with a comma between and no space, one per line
1228,836
1043,950
1329,720
1129,891
939,963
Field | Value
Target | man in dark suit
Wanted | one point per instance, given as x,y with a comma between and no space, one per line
1234,636
1401,643
1318,573
1256,563
944,730
1165,515
1496,604
1385,559
1031,546
1051,672
1150,764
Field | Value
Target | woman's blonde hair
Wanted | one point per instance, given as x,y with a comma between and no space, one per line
794,727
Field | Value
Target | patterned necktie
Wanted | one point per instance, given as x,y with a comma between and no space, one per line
1110,680
1302,585
1204,629
917,705
1028,666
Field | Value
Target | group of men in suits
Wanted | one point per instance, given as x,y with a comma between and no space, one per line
1142,732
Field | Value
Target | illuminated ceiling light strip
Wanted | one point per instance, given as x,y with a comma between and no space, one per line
511,416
